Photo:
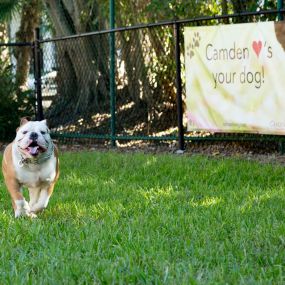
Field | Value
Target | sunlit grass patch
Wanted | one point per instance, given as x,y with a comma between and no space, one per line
143,219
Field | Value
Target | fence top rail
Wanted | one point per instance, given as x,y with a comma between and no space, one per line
29,44
168,23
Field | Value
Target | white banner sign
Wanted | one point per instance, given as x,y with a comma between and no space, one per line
235,78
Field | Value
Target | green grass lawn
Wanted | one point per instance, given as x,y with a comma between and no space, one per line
143,219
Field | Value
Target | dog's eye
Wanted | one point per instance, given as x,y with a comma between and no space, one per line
25,132
43,132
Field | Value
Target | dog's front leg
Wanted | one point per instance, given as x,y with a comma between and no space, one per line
20,205
23,209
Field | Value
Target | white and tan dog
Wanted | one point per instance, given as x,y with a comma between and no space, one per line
31,160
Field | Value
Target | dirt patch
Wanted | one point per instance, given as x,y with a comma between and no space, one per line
265,153
268,152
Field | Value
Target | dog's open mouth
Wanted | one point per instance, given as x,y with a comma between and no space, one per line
34,149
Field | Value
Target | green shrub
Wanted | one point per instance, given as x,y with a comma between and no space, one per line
14,103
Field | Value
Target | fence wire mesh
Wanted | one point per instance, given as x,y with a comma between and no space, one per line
76,84
75,79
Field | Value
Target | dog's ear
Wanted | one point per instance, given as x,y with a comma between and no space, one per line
24,121
46,124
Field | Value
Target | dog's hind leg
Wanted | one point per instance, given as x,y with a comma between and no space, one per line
42,202
34,196
44,195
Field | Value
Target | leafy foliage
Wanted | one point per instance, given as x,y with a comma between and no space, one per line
143,82
8,8
14,102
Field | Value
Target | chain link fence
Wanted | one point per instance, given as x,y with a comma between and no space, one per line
76,84
74,80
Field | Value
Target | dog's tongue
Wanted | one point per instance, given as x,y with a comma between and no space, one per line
33,150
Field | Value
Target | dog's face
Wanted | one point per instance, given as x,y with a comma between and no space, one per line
32,138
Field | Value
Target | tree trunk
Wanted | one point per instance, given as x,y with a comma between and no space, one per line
82,62
30,16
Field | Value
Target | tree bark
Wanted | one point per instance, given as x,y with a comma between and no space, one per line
30,16
82,63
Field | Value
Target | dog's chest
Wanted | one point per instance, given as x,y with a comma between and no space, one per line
37,175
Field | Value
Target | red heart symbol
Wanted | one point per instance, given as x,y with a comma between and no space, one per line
257,46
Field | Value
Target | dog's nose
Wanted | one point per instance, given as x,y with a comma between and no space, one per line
33,136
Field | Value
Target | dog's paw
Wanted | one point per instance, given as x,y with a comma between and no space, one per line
32,215
24,213
23,210
29,214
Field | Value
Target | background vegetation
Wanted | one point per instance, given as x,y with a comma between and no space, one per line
149,86
14,102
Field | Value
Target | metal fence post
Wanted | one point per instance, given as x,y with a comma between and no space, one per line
37,73
279,7
179,87
280,18
112,74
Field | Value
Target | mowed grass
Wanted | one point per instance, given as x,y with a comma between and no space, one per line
144,219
